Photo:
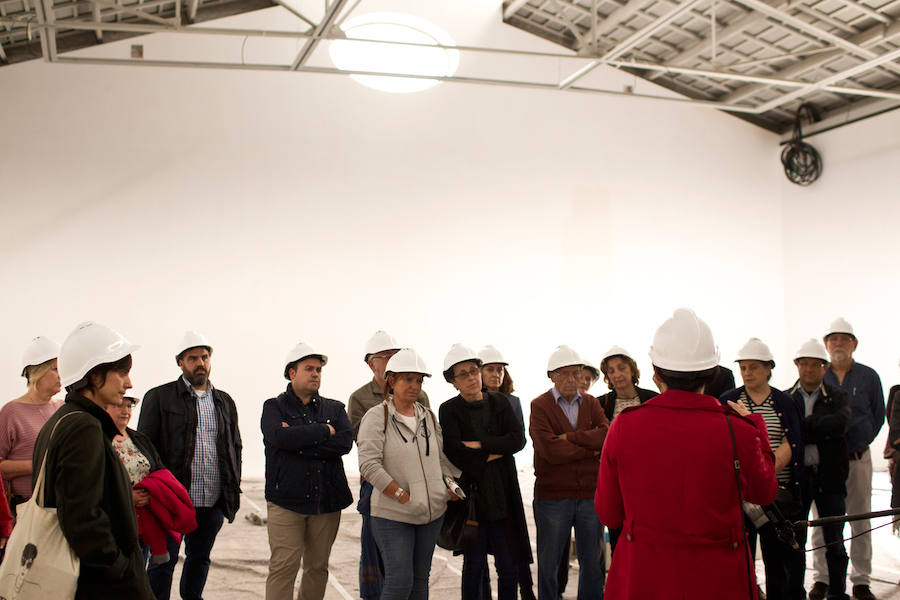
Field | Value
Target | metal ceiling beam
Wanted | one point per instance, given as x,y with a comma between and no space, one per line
44,11
874,34
630,42
706,73
512,8
295,12
458,79
870,64
3,57
133,11
331,13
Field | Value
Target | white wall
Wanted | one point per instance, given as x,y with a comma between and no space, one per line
265,208
840,244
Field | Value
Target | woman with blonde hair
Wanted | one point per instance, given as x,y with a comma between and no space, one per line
22,418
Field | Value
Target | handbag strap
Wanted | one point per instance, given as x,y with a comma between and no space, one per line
38,493
737,480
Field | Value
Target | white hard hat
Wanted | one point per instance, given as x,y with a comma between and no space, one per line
563,356
39,351
457,354
684,343
755,349
616,351
299,352
839,325
812,348
379,342
89,345
135,393
491,356
192,339
406,361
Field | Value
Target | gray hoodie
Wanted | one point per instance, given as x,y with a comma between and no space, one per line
416,462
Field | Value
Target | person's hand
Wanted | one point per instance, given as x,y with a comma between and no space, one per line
739,408
474,445
494,457
3,543
404,497
563,436
141,497
453,497
283,424
330,429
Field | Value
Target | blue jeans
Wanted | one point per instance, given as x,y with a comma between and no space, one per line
555,519
475,564
406,551
197,546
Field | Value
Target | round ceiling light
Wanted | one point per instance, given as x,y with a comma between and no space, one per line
420,61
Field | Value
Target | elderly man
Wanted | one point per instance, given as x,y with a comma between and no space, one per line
826,411
305,436
567,429
194,426
863,386
379,349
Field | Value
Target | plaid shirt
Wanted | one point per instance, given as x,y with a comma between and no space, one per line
206,483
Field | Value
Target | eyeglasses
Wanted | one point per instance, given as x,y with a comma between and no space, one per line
569,374
384,356
467,374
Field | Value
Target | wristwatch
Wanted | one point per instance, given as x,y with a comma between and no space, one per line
398,493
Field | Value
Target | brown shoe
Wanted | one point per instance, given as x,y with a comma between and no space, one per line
818,591
862,592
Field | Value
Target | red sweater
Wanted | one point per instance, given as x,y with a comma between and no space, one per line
6,520
170,511
566,468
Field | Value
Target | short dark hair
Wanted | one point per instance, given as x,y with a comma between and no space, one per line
94,379
686,381
448,374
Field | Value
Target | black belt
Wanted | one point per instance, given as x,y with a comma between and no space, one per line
858,455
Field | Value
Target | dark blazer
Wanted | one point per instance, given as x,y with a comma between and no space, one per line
792,422
304,468
169,420
91,492
506,436
826,427
608,401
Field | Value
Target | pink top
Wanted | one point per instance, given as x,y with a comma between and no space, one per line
20,424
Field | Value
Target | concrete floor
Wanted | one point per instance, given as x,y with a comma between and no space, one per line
241,554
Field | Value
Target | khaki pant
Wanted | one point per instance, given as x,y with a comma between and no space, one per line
293,537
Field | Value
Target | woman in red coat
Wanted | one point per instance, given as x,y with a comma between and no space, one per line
667,478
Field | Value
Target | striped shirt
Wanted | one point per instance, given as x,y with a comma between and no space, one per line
773,426
206,483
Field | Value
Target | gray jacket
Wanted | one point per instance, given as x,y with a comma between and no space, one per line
415,460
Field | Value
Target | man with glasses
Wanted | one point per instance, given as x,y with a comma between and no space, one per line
863,386
380,347
567,430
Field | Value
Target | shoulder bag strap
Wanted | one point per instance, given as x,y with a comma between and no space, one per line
39,483
737,480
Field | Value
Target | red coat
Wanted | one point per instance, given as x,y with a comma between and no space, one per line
6,520
170,511
667,479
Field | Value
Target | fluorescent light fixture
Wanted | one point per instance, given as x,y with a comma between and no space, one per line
394,58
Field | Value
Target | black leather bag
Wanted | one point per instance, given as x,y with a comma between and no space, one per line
460,527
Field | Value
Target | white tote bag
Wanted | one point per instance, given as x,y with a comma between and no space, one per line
39,563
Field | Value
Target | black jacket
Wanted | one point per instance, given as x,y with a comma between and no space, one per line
304,469
608,401
91,491
169,419
826,427
506,436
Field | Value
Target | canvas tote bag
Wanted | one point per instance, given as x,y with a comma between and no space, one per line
39,564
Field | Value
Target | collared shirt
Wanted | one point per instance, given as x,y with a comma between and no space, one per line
206,482
570,409
863,386
811,454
